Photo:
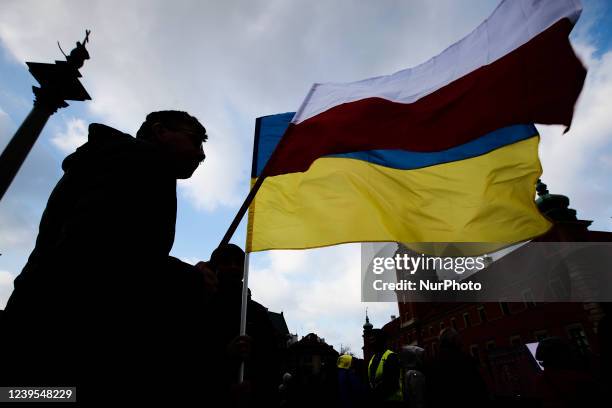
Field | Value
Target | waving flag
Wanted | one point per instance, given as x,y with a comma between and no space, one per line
443,152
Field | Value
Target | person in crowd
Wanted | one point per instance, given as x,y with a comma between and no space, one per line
351,391
413,365
454,378
286,391
604,334
384,371
564,382
262,365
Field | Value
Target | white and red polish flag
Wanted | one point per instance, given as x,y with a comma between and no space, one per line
517,67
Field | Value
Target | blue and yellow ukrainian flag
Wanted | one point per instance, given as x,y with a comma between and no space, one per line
480,191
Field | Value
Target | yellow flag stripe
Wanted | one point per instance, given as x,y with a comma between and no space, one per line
489,198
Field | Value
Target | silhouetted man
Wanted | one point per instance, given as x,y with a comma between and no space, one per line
100,304
262,372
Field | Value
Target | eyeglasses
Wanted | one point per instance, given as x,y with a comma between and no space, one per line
196,137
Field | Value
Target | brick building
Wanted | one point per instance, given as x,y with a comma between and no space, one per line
495,333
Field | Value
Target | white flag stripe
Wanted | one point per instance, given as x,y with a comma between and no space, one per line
512,24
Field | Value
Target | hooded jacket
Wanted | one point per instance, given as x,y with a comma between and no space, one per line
99,290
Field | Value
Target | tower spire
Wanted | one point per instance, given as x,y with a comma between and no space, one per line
367,326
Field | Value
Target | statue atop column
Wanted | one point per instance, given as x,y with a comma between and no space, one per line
59,82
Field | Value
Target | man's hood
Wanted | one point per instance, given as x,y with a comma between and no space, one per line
102,140
106,144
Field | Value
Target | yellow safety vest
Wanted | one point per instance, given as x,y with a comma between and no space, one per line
399,394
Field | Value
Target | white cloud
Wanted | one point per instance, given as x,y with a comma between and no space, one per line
190,260
218,180
6,278
606,161
6,287
4,118
16,228
287,261
5,127
74,136
577,164
17,231
319,291
228,62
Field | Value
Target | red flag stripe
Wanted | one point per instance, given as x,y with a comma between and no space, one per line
538,82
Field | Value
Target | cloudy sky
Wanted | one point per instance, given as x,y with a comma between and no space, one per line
232,61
